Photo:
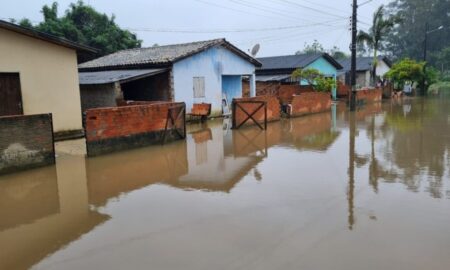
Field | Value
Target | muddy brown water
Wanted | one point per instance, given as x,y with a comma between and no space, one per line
338,190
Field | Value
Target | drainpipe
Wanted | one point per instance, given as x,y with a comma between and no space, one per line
253,85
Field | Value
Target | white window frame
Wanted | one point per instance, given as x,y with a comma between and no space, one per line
199,89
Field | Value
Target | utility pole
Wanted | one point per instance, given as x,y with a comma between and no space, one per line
353,49
425,41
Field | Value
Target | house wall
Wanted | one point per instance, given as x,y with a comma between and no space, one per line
382,68
211,64
232,86
48,77
98,96
326,68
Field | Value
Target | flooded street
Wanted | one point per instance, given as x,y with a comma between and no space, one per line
337,190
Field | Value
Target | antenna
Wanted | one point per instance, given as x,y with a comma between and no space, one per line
255,49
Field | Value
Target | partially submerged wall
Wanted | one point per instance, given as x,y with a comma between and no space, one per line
273,110
369,95
26,141
126,127
308,103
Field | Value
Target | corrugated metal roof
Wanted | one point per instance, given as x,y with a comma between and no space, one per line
103,77
272,78
159,55
294,61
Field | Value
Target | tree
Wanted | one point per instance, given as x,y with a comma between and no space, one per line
406,70
315,79
313,48
407,38
83,24
376,35
337,54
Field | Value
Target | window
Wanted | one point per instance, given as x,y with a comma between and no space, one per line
199,87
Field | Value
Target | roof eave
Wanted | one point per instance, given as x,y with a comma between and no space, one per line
47,37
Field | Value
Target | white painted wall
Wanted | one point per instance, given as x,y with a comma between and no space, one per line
211,64
382,68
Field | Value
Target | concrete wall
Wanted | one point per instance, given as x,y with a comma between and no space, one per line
48,78
211,64
26,141
98,96
121,128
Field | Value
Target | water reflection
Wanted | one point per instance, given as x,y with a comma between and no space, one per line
271,181
42,211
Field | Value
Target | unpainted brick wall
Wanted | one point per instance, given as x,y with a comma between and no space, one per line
26,141
120,128
311,102
370,95
273,109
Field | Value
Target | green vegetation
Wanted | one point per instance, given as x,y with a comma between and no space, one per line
406,70
406,39
315,78
376,35
83,24
439,87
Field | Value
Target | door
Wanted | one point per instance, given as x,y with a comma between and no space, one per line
10,94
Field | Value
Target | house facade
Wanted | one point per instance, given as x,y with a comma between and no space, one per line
199,72
38,74
280,68
363,70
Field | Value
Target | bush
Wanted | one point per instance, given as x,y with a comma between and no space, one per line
439,87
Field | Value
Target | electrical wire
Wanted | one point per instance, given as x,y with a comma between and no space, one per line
212,31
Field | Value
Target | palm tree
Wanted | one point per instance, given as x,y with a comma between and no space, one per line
373,39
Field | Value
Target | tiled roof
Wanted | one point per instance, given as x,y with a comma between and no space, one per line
160,55
294,61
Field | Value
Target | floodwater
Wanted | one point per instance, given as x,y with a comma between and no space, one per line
338,190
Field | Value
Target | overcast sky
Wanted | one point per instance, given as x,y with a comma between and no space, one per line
280,26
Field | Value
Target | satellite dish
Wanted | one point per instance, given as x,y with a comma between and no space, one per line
255,50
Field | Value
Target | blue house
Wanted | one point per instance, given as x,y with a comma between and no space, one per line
280,68
198,72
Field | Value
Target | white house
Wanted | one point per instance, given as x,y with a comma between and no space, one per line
363,69
204,71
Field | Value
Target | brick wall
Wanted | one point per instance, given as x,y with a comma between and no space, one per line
273,109
120,128
343,89
369,95
26,141
311,102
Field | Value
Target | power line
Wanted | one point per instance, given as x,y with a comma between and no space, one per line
212,31
313,9
241,11
325,6
269,9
